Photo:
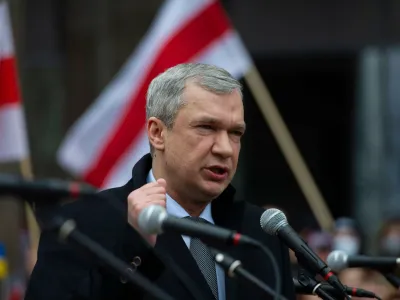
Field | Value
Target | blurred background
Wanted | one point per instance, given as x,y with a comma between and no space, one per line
332,68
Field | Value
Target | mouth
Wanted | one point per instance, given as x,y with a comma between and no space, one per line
218,173
218,169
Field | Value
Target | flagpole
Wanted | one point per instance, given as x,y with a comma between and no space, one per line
289,148
33,227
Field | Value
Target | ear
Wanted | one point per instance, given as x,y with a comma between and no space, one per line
156,131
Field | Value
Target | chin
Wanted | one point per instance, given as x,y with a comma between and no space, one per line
214,190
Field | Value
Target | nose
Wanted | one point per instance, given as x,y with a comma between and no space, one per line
222,145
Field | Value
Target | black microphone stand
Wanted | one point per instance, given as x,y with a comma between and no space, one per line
312,273
234,267
68,231
306,279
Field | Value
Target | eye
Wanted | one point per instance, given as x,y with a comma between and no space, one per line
237,133
207,127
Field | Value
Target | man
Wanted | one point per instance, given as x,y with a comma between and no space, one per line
195,122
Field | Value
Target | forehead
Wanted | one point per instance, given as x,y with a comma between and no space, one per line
197,100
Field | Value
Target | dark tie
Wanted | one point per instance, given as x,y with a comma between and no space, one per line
204,259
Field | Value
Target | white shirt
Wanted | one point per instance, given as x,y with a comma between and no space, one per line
174,209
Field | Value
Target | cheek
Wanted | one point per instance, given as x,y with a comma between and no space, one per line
189,149
236,150
198,143
199,149
235,157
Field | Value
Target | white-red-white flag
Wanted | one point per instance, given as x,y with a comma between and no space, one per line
13,137
104,144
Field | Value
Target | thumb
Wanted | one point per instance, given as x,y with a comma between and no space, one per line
162,182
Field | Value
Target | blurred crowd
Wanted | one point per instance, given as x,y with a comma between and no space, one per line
348,237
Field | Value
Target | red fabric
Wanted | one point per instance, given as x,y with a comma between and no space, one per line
9,92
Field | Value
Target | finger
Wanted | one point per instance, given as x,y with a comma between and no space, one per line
149,200
156,197
162,182
149,185
155,190
159,202
137,210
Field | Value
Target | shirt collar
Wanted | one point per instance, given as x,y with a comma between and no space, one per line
173,207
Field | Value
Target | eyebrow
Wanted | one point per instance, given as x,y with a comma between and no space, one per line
213,121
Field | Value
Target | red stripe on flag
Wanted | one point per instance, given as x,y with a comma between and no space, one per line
206,27
9,92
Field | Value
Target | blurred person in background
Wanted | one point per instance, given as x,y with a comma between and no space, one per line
346,236
389,237
388,241
370,280
320,242
389,245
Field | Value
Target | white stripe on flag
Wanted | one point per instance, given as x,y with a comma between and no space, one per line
228,53
13,144
6,40
122,171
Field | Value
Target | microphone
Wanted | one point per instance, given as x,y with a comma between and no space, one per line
154,219
274,222
67,231
340,260
234,267
314,289
42,188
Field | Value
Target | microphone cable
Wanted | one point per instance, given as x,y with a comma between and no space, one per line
277,273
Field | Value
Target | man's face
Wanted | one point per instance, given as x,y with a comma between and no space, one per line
202,149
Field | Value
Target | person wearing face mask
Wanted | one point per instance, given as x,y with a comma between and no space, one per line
389,241
320,242
346,236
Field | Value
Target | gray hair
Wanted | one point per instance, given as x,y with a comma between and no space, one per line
165,91
164,94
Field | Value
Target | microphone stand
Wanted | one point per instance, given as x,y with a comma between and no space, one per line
305,279
234,267
312,273
68,231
